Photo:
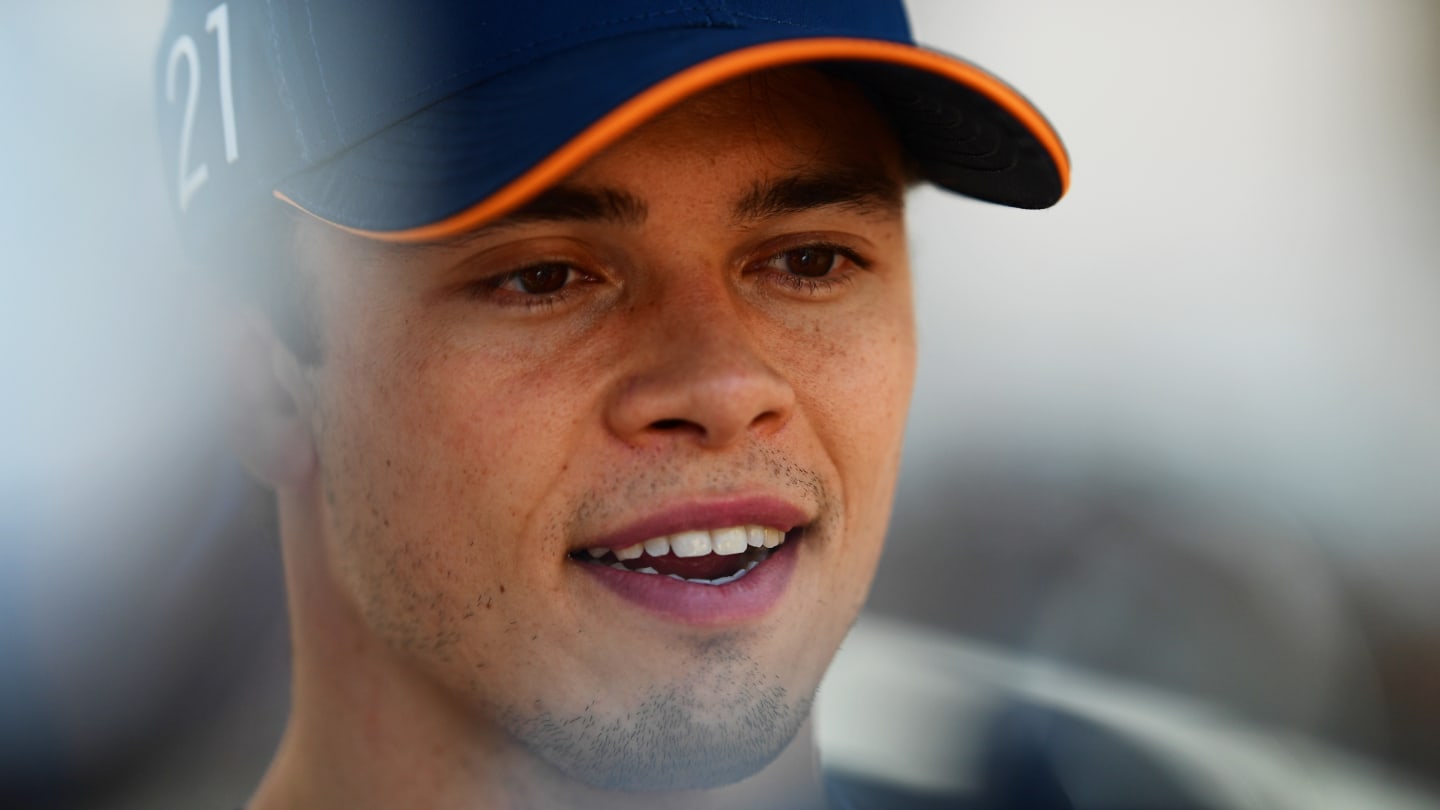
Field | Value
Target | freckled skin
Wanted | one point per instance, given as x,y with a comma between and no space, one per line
464,445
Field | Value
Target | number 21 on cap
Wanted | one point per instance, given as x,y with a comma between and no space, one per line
217,22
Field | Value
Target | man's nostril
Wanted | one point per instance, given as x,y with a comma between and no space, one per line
670,424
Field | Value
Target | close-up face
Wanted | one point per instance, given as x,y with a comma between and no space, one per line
614,471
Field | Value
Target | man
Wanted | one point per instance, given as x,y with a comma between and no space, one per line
583,391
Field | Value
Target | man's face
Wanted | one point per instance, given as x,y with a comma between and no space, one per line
707,326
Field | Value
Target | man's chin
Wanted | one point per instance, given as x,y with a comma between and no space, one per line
672,741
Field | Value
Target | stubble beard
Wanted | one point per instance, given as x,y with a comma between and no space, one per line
679,737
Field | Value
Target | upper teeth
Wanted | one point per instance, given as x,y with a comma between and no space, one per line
731,540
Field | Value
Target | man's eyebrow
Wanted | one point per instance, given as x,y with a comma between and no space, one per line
848,188
564,203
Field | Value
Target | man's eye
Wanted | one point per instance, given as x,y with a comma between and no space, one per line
814,261
541,279
543,285
814,268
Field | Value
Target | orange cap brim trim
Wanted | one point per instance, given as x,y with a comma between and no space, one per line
645,106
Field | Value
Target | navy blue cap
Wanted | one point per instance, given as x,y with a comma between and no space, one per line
412,119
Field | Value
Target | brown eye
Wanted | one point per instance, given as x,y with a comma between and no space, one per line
543,284
810,262
543,278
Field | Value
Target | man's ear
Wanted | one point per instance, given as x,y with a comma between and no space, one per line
269,406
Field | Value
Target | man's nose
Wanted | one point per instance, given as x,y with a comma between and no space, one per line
699,373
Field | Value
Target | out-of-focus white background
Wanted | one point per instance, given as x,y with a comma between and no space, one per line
1180,431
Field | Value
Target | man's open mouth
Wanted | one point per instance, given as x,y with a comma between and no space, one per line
706,557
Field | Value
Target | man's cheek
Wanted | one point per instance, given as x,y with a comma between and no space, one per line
857,387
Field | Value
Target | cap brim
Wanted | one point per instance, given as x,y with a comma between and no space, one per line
483,152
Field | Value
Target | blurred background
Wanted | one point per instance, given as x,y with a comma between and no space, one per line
1174,452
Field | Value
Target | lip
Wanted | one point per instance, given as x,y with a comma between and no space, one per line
749,598
713,514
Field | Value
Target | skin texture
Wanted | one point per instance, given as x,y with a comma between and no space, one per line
463,435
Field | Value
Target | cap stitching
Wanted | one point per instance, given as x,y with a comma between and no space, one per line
320,71
759,18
